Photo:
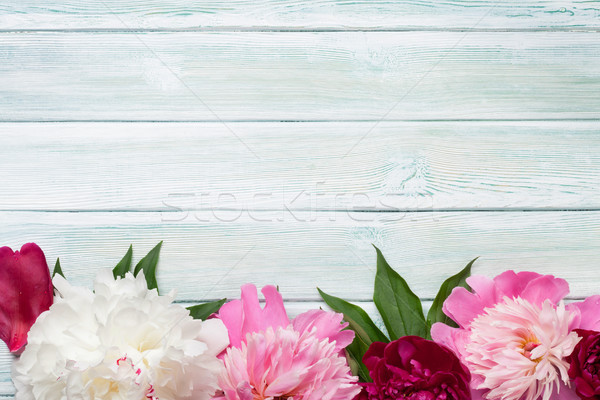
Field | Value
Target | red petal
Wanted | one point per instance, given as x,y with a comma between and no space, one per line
25,292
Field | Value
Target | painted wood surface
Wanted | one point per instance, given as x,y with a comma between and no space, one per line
301,250
299,76
283,14
437,130
367,166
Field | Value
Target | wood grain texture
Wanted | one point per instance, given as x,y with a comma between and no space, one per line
218,252
299,76
283,14
300,166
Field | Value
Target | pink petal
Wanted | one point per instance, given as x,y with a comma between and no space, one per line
232,315
477,394
453,338
564,393
544,287
485,288
589,309
328,326
245,316
511,284
25,292
251,309
463,306
274,314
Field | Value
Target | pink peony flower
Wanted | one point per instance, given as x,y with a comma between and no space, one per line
414,368
512,335
25,292
271,358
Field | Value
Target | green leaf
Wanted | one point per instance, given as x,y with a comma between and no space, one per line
148,265
58,269
124,265
356,350
358,320
435,313
203,311
400,308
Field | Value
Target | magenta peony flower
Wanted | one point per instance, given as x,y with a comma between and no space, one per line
512,335
584,363
25,292
413,368
271,358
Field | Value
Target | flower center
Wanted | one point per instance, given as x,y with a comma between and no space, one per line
126,364
528,347
592,363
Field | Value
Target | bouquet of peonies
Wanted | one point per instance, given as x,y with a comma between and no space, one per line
507,338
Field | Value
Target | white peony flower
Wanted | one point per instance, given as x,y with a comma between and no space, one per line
121,341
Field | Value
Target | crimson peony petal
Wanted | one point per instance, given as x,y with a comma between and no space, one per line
25,292
584,364
414,368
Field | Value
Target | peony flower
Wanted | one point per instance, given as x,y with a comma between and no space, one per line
414,368
271,358
25,292
512,335
121,341
585,365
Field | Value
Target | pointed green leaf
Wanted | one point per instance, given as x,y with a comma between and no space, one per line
400,308
148,265
436,314
58,269
356,350
358,320
124,265
203,311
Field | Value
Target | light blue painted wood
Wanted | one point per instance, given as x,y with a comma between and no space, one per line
312,14
295,76
218,251
300,166
509,65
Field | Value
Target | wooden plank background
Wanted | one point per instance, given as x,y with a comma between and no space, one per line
274,141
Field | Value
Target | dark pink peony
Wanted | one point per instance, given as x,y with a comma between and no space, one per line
25,292
413,368
584,366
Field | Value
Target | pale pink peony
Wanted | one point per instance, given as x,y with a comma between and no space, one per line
271,358
512,335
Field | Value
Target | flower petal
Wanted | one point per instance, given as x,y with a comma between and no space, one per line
245,316
327,324
589,310
25,292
